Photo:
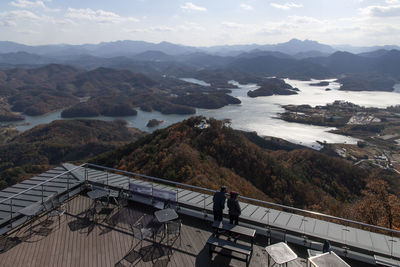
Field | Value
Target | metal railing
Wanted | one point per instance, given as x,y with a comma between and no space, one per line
206,193
42,185
247,199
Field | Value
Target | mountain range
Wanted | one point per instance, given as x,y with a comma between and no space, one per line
130,48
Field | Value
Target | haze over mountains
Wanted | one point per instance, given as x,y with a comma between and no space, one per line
295,59
129,48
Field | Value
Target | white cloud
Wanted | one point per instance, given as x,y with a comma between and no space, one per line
391,2
246,7
305,20
232,24
286,6
382,11
191,6
7,23
27,4
191,26
28,32
32,4
17,17
161,29
99,15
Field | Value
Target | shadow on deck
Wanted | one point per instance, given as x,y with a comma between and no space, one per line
107,240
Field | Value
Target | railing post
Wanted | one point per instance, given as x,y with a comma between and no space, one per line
345,230
268,227
11,210
68,185
177,198
86,174
304,230
391,244
107,178
204,205
152,198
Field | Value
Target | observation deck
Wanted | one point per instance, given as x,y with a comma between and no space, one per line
355,241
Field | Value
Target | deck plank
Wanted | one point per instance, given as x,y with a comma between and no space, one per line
100,247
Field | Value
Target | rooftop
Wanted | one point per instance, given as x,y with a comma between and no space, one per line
78,241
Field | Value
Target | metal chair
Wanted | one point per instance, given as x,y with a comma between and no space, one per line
122,199
174,228
140,233
58,209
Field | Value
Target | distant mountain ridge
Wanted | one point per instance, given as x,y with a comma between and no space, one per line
294,59
129,48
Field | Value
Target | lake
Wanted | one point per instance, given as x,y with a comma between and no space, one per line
260,114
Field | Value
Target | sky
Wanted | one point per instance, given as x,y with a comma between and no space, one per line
202,22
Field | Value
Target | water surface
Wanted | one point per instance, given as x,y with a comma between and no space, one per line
260,114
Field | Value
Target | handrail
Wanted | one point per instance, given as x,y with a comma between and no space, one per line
252,199
42,183
326,216
153,178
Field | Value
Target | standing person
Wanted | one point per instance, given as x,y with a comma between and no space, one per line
326,247
234,208
219,203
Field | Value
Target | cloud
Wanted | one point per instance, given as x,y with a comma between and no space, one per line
190,6
32,4
286,6
305,20
28,32
99,15
161,29
15,17
19,15
232,24
392,2
246,7
269,32
191,26
382,11
7,23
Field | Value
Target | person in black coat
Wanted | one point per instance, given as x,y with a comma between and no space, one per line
234,208
219,204
326,247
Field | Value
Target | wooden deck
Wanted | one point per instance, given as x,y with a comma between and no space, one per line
369,243
78,242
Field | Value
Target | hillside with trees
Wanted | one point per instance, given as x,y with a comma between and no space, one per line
44,146
208,153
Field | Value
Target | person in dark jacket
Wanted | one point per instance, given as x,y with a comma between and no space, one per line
234,208
326,247
219,203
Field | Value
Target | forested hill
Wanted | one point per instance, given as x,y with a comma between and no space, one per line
210,154
44,146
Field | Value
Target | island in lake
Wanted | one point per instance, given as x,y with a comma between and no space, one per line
273,86
378,130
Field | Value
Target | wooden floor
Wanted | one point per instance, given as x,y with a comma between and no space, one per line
79,242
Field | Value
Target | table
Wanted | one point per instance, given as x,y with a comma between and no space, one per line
95,195
281,253
166,215
235,229
329,259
